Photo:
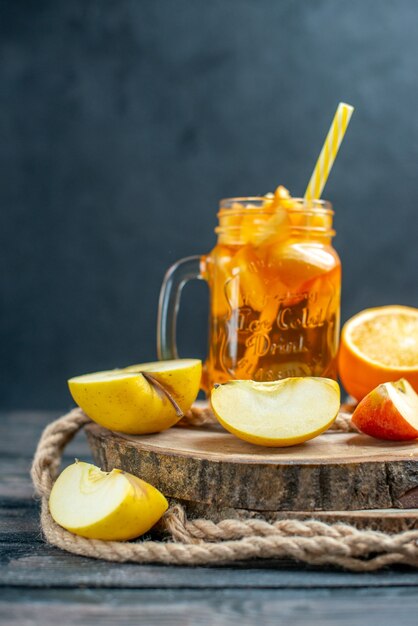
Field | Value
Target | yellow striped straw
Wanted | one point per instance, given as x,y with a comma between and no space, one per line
329,151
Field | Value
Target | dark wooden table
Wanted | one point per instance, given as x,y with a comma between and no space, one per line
43,585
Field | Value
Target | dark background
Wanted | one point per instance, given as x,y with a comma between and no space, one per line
121,125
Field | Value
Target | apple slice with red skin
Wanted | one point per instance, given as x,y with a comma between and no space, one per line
390,411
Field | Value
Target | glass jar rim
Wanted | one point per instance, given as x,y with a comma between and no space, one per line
256,202
254,206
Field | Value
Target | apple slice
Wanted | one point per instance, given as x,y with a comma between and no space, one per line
139,399
104,505
279,413
390,411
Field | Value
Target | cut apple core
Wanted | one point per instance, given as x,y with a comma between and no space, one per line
279,413
405,400
161,389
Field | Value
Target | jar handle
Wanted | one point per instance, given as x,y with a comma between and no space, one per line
174,281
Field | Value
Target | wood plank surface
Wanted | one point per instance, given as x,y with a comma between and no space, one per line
231,607
40,584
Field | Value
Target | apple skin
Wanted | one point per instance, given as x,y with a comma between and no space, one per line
376,415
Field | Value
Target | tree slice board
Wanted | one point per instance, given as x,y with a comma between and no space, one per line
214,472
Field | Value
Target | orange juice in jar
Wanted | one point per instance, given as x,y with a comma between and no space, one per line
274,281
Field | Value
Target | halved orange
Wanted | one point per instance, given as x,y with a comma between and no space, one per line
377,346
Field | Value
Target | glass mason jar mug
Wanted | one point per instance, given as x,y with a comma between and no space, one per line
274,281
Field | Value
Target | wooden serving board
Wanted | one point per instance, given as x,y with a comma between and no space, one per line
216,475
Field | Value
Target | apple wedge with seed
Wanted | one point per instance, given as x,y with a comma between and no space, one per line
279,413
139,399
104,505
390,412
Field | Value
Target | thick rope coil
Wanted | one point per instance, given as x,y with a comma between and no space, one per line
203,542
